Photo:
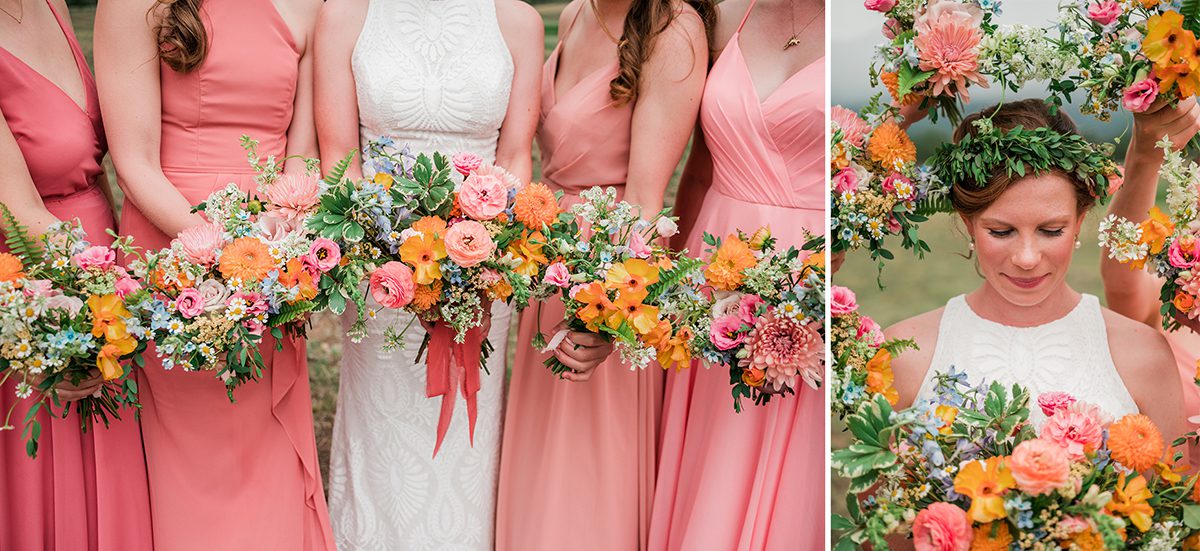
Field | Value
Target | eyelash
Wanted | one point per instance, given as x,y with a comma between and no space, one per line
1006,233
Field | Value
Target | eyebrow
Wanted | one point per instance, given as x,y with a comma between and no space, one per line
1063,220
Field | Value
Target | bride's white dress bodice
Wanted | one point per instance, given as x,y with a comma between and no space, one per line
435,75
1069,354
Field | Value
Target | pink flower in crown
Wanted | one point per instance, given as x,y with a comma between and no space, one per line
942,527
1078,433
1182,252
558,275
1054,402
126,286
201,243
747,306
483,196
854,129
189,303
947,42
39,288
786,350
869,331
846,180
323,255
638,247
468,243
841,300
95,257
1138,97
726,332
1105,12
466,163
881,6
293,195
392,285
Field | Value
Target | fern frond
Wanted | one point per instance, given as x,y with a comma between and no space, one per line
674,277
339,170
292,312
18,240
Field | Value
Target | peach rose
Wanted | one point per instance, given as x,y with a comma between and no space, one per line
483,196
842,300
468,243
101,258
1040,466
392,285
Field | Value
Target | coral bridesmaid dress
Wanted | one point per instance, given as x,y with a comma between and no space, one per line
753,480
85,490
577,462
241,475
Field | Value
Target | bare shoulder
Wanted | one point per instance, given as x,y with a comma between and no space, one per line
1138,350
729,15
60,7
910,367
568,14
308,10
343,15
519,20
683,40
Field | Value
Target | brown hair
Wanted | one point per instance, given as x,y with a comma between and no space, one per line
182,39
644,22
968,199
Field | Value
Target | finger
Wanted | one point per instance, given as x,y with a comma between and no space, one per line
586,355
576,365
577,377
586,339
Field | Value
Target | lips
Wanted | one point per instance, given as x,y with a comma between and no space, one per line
1027,282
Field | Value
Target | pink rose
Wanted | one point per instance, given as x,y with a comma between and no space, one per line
869,331
1076,432
483,196
466,163
841,300
1138,97
72,305
638,247
1054,402
893,225
392,285
726,332
323,255
942,527
1074,525
189,303
1105,12
490,277
557,275
127,286
846,180
254,326
889,185
1040,466
256,303
468,243
39,288
747,307
1182,253
276,227
201,243
881,6
291,196
101,258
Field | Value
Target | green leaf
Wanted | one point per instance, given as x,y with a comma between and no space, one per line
339,170
1191,516
841,524
353,232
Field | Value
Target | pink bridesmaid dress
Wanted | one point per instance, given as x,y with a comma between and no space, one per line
753,480
577,462
85,490
227,475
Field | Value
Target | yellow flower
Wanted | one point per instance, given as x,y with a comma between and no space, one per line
880,376
631,277
629,307
423,252
760,237
108,361
724,270
947,414
108,317
985,482
529,249
676,351
1166,40
1130,500
1184,73
383,178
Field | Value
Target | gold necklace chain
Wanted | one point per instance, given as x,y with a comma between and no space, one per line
21,5
795,39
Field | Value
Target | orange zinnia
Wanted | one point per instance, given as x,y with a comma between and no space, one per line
993,536
430,224
1135,442
535,206
1130,500
247,259
631,277
596,307
880,376
891,147
425,296
724,270
985,482
423,252
529,249
629,307
1166,39
11,268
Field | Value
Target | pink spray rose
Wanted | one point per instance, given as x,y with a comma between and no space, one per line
483,196
392,285
101,258
127,286
254,326
558,275
201,243
845,180
1182,253
323,255
841,300
1138,97
1040,466
39,288
726,332
1054,402
468,243
942,527
292,195
189,303
747,308
869,331
638,247
466,163
881,6
1105,12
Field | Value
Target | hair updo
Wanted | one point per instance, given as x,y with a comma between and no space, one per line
969,199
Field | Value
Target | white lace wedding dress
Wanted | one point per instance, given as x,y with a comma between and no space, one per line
436,75
1069,354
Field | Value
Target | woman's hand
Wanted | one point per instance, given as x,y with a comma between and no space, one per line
581,353
69,392
1180,124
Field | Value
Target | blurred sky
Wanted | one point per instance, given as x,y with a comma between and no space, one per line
855,32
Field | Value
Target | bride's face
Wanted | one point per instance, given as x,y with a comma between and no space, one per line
1024,240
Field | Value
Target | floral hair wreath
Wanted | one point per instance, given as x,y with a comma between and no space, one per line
974,159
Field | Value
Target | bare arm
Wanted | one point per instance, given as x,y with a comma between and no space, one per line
302,133
127,76
524,33
17,190
1147,367
693,186
668,102
336,101
911,366
1134,293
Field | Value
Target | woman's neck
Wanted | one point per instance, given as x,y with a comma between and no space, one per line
989,304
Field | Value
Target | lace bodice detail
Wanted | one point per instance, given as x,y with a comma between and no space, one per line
1069,354
433,74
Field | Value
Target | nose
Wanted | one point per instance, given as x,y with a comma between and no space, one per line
1027,255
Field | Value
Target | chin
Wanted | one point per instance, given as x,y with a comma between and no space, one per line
1025,297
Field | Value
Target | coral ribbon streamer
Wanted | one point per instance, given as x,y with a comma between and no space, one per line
453,366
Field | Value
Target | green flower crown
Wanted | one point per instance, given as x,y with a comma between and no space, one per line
973,160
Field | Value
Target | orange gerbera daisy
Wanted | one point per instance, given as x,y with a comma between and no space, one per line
425,296
724,270
1135,442
891,147
631,277
423,252
629,307
880,376
535,206
596,307
985,482
247,259
1130,500
430,224
11,268
993,536
529,249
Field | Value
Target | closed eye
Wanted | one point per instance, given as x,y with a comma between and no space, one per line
1053,233
1000,233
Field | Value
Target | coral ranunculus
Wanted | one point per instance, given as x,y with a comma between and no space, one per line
468,243
942,527
392,285
985,482
247,259
535,206
1135,442
108,317
1040,466
1077,432
482,197
891,147
95,257
724,270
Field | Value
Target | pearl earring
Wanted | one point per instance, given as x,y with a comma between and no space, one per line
971,245
1078,244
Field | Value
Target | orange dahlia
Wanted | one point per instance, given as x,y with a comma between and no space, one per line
11,268
891,147
425,296
247,259
725,268
993,536
535,206
1135,442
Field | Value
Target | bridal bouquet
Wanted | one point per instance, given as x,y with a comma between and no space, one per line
67,310
937,49
862,359
767,320
617,282
1165,244
876,185
251,270
967,470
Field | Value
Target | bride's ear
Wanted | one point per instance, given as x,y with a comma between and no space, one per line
968,226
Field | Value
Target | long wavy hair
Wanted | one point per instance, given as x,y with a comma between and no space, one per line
645,21
182,38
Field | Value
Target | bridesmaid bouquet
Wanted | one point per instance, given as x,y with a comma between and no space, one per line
251,270
968,470
876,185
617,282
935,50
1165,244
767,318
68,310
862,359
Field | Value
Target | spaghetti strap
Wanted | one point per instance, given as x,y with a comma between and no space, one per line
562,37
746,17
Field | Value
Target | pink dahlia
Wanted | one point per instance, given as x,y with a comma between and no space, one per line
854,129
949,46
1077,432
201,243
291,196
786,350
